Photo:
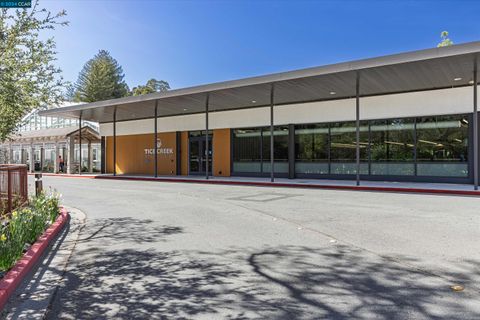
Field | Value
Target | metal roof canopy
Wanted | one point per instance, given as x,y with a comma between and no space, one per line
412,71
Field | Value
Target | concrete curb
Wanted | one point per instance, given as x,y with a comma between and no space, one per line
303,185
48,174
14,277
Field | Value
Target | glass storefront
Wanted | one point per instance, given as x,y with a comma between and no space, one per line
251,150
442,146
408,147
392,147
312,149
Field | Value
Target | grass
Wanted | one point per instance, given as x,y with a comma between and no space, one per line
23,227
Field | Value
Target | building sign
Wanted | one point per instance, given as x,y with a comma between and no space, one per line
160,150
15,4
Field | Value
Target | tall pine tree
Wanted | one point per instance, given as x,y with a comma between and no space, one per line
100,79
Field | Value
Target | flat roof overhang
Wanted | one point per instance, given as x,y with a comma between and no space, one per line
429,69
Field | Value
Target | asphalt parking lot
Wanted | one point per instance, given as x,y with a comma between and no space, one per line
156,250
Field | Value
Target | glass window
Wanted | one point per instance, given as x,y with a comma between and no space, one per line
311,149
343,148
442,146
392,149
280,149
251,150
247,150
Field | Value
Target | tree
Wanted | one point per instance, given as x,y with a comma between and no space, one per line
152,85
100,79
445,40
28,77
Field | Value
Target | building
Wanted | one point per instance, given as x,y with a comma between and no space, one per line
40,140
404,117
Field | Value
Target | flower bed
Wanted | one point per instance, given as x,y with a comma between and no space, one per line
22,227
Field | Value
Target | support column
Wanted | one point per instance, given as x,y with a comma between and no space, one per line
357,125
31,159
71,154
178,153
475,128
23,158
56,159
90,157
206,136
10,153
80,144
115,141
272,160
42,157
64,158
291,151
156,139
102,156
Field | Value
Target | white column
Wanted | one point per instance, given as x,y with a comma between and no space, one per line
90,157
23,158
10,153
31,159
71,154
55,160
42,157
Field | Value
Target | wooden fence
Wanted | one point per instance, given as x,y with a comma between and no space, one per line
13,187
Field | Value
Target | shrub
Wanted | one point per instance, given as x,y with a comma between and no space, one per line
24,226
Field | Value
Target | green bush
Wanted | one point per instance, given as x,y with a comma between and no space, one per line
24,226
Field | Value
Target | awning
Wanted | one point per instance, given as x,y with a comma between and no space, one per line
428,69
47,135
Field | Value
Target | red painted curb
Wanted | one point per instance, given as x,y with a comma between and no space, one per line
10,282
306,185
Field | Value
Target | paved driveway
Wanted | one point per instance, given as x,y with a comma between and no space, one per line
154,250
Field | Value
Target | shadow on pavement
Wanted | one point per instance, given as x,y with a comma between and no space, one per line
286,282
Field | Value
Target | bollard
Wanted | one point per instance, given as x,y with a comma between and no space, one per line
38,184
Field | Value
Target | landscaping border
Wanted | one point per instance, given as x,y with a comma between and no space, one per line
14,277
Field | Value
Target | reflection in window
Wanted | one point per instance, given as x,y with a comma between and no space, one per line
343,148
311,149
442,146
247,150
251,150
280,149
392,149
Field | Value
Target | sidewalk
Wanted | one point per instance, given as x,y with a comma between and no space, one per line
382,186
32,299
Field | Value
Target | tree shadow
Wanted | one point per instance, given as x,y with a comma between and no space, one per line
129,230
284,282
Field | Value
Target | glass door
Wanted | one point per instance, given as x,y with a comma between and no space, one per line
198,155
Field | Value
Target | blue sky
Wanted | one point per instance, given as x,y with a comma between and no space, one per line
194,42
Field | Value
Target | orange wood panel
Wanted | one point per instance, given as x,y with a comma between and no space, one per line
135,154
221,152
184,153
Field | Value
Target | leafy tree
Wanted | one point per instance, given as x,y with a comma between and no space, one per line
152,85
28,77
100,79
445,40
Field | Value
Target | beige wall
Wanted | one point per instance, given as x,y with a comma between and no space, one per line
432,102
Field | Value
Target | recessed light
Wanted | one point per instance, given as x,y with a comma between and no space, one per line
332,92
254,101
470,82
185,109
457,79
